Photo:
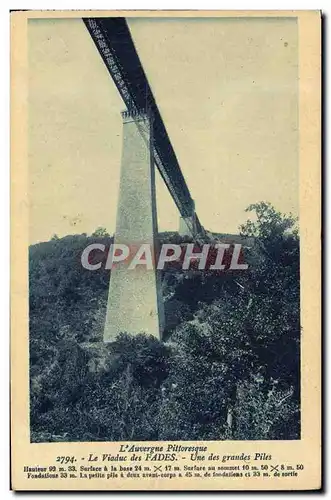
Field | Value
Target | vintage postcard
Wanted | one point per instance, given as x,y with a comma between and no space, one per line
165,215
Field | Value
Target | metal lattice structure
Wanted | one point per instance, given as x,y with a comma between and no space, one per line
114,42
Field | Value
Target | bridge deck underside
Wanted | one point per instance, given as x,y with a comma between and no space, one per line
115,45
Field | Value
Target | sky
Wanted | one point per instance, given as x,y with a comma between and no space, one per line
227,90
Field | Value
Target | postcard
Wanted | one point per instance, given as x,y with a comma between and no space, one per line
165,245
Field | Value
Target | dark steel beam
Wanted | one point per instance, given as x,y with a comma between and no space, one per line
114,42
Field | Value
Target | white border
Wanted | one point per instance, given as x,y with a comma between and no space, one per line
5,6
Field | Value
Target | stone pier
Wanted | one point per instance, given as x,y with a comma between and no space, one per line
184,226
187,225
135,302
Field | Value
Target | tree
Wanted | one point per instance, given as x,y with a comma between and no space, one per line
101,232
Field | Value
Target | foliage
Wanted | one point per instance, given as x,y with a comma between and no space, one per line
229,366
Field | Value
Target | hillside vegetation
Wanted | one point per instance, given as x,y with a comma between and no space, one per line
227,368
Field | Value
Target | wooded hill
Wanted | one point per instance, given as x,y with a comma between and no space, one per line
227,368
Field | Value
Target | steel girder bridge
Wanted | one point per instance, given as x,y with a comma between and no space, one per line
114,42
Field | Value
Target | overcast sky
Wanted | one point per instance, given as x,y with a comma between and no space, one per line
227,90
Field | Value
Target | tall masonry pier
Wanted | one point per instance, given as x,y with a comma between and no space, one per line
135,299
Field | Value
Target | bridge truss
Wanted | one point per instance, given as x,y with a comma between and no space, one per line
113,40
